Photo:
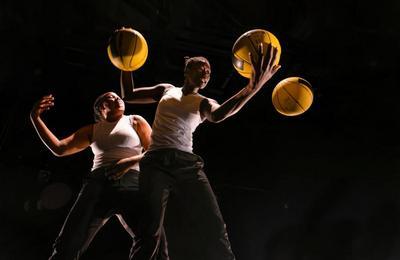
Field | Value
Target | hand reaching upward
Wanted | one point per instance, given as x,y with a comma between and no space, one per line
44,104
264,67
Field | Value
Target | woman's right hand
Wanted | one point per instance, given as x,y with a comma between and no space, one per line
45,103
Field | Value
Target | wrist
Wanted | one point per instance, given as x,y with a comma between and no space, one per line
248,89
33,115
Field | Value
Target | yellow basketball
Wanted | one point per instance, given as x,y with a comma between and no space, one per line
127,49
292,96
248,43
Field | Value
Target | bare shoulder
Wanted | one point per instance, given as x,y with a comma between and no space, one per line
139,122
208,102
158,91
165,86
207,105
137,119
86,132
88,129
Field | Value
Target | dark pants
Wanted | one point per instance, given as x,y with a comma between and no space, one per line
167,170
98,200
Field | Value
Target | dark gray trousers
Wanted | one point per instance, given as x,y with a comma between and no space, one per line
98,200
166,170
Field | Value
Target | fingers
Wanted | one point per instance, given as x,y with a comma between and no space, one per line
253,65
115,173
274,56
46,102
47,98
261,50
276,68
255,60
252,59
259,63
111,175
262,67
116,176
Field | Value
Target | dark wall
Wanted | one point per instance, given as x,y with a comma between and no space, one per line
322,185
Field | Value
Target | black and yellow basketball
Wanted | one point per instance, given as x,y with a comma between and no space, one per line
249,42
127,49
292,96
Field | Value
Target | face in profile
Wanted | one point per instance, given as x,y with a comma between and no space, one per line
113,102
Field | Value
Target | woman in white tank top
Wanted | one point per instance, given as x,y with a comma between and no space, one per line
170,163
117,142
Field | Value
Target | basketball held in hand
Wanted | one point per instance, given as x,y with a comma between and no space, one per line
249,42
127,49
292,96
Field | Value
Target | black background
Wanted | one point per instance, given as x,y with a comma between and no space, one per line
322,185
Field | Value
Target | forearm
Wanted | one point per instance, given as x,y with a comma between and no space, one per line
135,159
234,104
131,95
260,76
128,162
46,136
127,85
122,166
142,95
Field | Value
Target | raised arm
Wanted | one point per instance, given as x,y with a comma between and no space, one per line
74,143
142,95
262,71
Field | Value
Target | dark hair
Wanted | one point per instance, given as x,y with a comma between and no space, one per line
96,107
190,62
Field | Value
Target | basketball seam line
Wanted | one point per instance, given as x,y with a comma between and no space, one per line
287,92
130,61
119,41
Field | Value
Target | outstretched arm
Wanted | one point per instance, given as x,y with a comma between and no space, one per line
74,143
262,72
142,95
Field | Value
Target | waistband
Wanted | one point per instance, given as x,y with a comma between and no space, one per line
103,172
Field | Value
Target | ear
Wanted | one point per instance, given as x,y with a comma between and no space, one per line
185,76
104,105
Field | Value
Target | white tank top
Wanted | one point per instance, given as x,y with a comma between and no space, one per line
176,119
112,141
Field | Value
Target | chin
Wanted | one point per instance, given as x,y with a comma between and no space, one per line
203,85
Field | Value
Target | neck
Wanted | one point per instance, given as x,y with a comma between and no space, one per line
113,118
188,89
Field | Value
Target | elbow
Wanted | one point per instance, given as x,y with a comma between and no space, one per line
213,118
217,117
59,151
127,98
58,155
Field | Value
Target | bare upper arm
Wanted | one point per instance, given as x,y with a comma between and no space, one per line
147,94
207,107
77,141
143,129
